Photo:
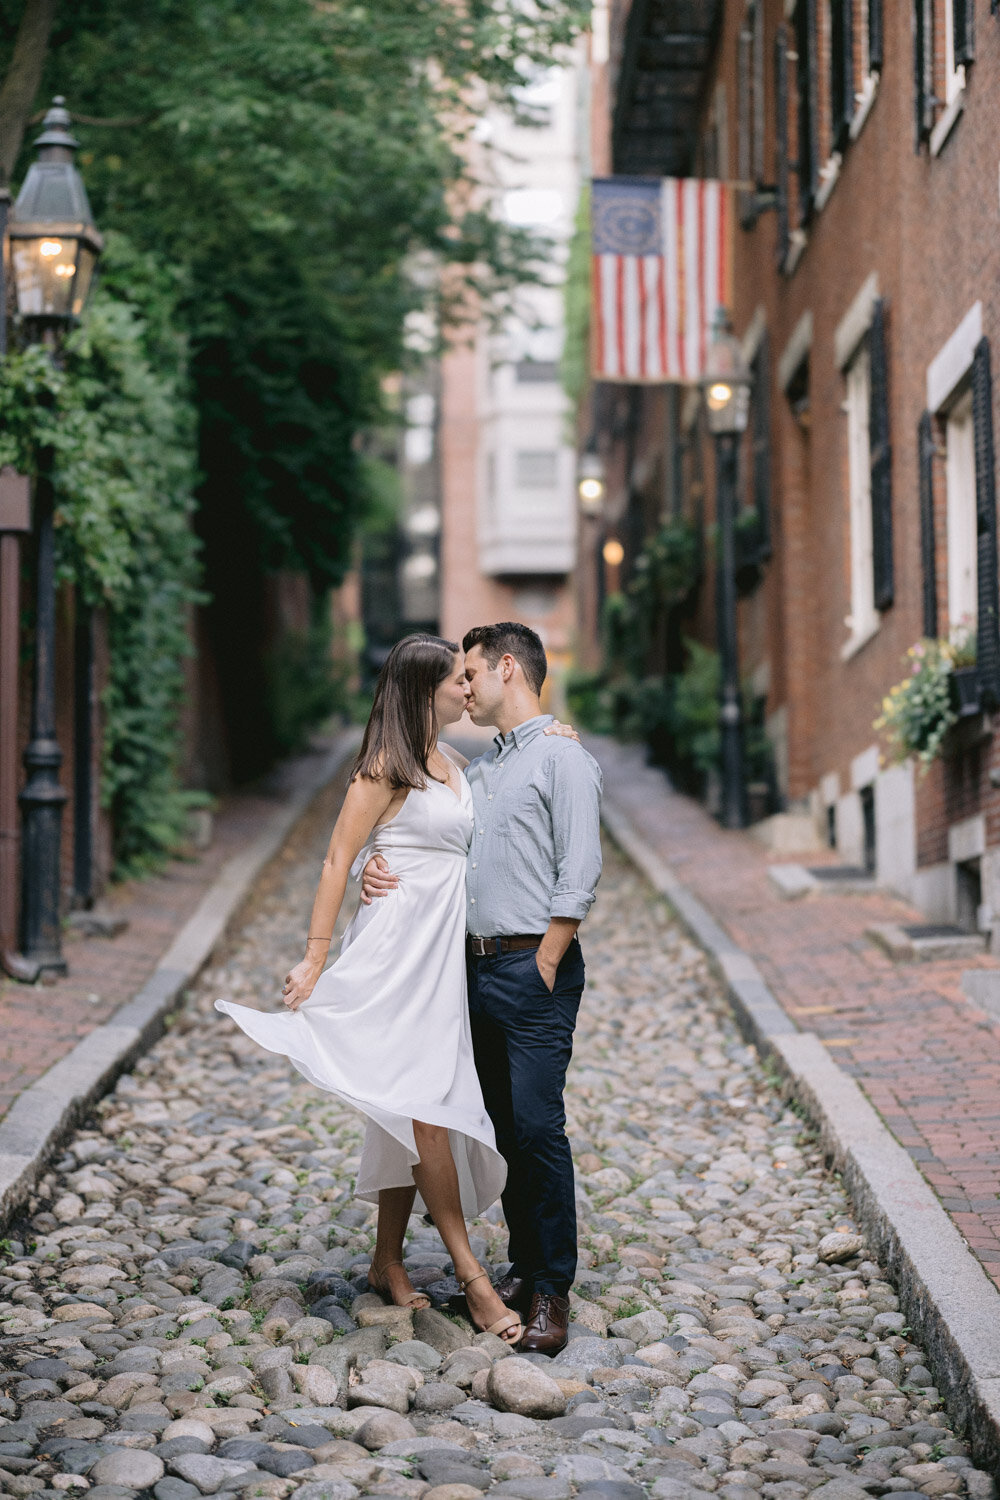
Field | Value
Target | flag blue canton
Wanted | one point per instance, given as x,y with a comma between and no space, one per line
626,216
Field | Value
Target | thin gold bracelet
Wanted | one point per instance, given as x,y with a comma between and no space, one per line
312,939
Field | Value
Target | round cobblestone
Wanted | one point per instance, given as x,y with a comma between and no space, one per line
731,1333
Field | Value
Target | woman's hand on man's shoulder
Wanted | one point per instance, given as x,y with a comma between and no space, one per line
561,731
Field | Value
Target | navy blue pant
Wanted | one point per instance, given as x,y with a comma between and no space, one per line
523,1041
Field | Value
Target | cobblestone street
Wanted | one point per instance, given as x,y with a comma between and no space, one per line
183,1311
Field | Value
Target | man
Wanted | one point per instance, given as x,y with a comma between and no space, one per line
533,867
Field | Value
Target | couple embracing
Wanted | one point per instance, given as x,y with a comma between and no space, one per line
448,1018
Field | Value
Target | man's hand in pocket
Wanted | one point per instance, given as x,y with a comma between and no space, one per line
548,972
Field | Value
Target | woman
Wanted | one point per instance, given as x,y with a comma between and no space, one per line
386,1028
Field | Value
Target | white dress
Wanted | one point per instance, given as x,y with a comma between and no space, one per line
387,1026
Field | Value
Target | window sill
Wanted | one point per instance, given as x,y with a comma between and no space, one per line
866,99
942,130
830,173
797,242
858,642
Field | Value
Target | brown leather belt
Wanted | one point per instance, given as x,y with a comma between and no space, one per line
481,947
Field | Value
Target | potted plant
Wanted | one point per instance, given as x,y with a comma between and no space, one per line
964,685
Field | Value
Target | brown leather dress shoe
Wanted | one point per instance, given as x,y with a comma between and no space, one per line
513,1292
545,1331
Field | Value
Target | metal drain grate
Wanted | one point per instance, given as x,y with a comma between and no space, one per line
839,872
936,930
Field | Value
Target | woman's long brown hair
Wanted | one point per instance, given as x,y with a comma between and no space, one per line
400,733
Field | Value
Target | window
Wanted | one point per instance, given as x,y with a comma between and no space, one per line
840,16
781,157
954,69
536,371
491,487
960,479
750,108
943,43
863,619
826,65
960,390
536,468
806,113
869,465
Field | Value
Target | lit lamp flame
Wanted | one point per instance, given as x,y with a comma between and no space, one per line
613,552
719,395
48,248
591,490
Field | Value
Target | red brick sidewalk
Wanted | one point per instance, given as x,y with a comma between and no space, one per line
928,1059
40,1023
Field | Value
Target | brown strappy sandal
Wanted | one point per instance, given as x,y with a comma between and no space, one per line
503,1325
415,1301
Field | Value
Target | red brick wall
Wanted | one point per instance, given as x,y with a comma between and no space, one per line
928,227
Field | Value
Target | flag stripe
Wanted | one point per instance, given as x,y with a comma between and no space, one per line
661,317
641,294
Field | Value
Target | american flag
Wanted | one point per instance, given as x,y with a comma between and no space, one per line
661,267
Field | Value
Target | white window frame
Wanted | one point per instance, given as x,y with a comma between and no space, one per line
962,530
863,620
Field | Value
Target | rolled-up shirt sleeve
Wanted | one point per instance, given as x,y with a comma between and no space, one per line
575,807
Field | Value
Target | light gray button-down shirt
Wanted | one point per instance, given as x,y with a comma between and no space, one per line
536,843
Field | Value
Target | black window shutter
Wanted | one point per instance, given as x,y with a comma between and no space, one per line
987,628
841,70
923,69
881,459
875,36
761,433
963,34
758,92
806,77
781,138
925,451
744,167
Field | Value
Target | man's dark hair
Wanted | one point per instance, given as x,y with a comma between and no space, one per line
510,638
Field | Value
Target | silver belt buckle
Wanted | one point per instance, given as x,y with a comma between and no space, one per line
478,947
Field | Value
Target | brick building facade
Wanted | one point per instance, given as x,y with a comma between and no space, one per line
867,296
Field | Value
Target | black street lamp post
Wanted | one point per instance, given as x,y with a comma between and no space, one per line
726,385
54,249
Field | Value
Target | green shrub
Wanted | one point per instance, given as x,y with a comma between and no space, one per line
588,701
696,710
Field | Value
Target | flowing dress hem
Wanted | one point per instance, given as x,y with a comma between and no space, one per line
426,1112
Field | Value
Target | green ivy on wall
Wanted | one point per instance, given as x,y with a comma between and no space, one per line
116,415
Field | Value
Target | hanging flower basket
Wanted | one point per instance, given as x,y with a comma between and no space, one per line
942,689
918,712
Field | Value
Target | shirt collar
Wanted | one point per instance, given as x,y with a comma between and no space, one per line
521,734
